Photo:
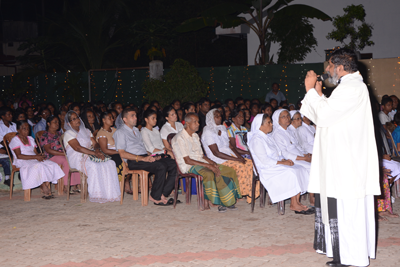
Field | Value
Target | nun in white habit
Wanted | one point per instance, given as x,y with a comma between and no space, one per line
302,134
286,141
279,176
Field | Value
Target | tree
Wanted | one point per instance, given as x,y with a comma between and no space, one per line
227,15
295,35
79,39
182,77
346,29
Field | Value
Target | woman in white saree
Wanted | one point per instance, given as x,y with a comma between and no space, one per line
281,177
103,184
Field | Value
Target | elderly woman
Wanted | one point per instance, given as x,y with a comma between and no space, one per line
288,143
280,176
285,140
50,141
218,148
103,185
35,170
299,133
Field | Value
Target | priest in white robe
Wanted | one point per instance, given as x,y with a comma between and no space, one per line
345,165
279,176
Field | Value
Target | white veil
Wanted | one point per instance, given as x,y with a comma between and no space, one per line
83,135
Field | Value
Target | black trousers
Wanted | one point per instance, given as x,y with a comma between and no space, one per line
162,184
319,234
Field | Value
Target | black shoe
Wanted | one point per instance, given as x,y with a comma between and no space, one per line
221,209
7,182
335,264
233,207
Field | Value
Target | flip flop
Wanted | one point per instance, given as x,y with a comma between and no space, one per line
305,212
129,193
171,201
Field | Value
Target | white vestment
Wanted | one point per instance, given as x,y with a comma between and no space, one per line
281,181
345,162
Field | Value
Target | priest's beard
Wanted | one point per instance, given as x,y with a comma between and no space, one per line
333,79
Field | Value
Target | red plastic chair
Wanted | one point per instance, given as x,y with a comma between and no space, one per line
188,176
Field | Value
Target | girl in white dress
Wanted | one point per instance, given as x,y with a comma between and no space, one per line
103,184
34,169
150,135
280,176
172,125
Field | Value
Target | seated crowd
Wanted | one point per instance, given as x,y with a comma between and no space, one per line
210,140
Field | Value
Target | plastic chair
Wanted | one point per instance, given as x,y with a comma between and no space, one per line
188,177
144,183
256,177
84,187
6,140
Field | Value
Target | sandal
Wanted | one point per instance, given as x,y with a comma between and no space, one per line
171,201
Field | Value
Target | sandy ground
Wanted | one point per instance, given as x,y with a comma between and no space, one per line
58,232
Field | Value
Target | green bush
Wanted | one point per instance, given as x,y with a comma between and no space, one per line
182,82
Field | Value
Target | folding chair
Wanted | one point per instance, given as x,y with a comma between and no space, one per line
256,177
188,177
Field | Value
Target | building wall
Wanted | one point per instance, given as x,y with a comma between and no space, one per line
383,15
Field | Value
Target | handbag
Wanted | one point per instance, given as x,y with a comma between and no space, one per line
96,159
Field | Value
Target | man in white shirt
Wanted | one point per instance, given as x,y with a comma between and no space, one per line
345,166
221,186
6,126
275,94
387,105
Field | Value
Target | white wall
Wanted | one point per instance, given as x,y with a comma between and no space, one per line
383,15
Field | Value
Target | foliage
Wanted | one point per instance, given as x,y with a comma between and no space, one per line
346,29
182,82
227,15
152,34
79,39
295,35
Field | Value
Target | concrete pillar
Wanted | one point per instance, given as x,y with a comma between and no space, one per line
156,69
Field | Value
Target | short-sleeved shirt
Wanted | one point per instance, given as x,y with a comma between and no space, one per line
5,130
185,145
109,136
129,140
383,118
151,139
40,126
53,140
26,149
167,129
279,97
238,134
